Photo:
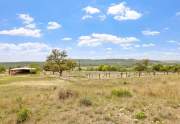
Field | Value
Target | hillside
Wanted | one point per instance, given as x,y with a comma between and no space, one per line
93,62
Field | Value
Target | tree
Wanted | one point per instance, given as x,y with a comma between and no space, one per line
106,68
166,68
37,67
49,66
140,68
145,62
157,67
57,61
100,67
2,69
71,64
176,68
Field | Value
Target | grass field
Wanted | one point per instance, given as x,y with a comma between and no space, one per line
145,100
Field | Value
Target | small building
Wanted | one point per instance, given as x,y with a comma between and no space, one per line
23,70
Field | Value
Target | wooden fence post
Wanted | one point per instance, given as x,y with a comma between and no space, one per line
139,74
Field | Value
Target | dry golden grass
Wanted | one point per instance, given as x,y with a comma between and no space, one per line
157,97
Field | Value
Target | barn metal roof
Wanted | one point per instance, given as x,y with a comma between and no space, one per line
23,68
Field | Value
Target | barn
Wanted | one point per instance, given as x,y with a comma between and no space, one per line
23,70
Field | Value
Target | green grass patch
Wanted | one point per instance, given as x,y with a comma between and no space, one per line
121,93
86,101
22,115
140,115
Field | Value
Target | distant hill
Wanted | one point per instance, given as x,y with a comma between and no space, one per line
93,62
123,62
19,64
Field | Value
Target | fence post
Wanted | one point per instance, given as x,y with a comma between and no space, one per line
139,74
121,74
154,73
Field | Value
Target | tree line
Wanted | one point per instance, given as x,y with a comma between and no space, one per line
143,66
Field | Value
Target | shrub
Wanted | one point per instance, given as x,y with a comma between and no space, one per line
22,115
140,115
125,82
37,67
121,93
19,101
2,69
64,94
86,101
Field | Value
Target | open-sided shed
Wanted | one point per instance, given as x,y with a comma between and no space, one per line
24,70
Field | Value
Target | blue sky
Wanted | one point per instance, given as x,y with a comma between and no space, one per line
94,29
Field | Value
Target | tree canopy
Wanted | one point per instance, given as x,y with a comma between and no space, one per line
57,61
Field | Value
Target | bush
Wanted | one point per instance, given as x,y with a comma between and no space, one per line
86,101
121,93
125,82
2,69
64,94
37,67
19,101
140,115
22,115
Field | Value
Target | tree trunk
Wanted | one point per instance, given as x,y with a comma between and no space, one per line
154,73
60,73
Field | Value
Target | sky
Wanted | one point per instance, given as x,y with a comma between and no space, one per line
90,29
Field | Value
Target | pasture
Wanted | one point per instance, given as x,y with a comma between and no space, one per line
77,99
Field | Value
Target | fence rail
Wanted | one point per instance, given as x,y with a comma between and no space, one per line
110,75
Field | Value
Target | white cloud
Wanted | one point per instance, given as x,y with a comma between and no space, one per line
86,17
91,10
26,18
150,33
66,38
27,51
148,45
172,41
102,17
122,12
53,25
96,39
137,46
178,14
32,26
109,49
29,29
27,46
22,32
